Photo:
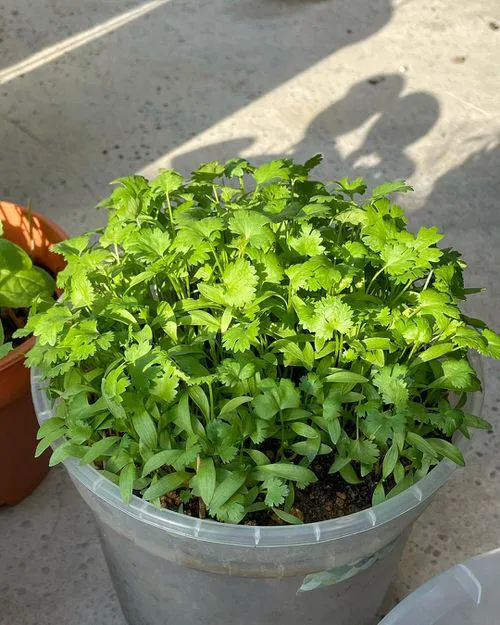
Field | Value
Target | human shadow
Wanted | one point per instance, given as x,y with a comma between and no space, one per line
396,121
121,101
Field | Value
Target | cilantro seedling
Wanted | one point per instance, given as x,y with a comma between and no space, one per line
223,332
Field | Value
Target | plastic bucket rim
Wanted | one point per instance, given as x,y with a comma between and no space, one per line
252,536
399,614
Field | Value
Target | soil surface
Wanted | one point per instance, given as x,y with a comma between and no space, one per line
12,319
328,498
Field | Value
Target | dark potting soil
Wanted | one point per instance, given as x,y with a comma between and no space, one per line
328,498
12,319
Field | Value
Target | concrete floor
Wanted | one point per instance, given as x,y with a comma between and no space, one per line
402,89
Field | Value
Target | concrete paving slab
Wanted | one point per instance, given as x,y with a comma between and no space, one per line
385,89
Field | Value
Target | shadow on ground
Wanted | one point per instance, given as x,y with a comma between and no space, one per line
119,102
397,121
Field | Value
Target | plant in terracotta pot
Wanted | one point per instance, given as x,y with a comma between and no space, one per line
26,276
261,371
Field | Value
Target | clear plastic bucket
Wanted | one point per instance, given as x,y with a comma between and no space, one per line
467,594
173,569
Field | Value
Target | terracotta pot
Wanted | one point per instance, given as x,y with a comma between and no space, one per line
20,471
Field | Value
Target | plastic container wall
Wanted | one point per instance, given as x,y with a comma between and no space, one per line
464,595
169,568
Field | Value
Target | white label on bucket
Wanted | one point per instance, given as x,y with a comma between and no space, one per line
342,573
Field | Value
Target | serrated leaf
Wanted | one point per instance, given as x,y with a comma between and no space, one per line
239,280
274,170
397,186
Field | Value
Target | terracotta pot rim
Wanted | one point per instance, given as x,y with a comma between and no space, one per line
19,352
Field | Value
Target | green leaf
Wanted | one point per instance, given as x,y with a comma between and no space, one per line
64,451
276,492
167,457
227,317
12,257
126,481
436,351
288,471
331,315
239,280
473,421
48,439
200,398
446,449
364,451
49,426
226,489
457,374
302,429
168,181
257,456
421,444
206,479
113,385
287,517
266,406
18,289
401,486
397,186
182,413
240,337
392,384
275,170
349,474
377,343
104,447
378,494
145,428
346,377
493,339
166,484
233,404
390,459
165,384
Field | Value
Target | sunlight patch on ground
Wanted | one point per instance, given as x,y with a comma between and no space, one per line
50,53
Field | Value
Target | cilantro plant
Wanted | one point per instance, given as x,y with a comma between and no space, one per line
222,334
20,284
